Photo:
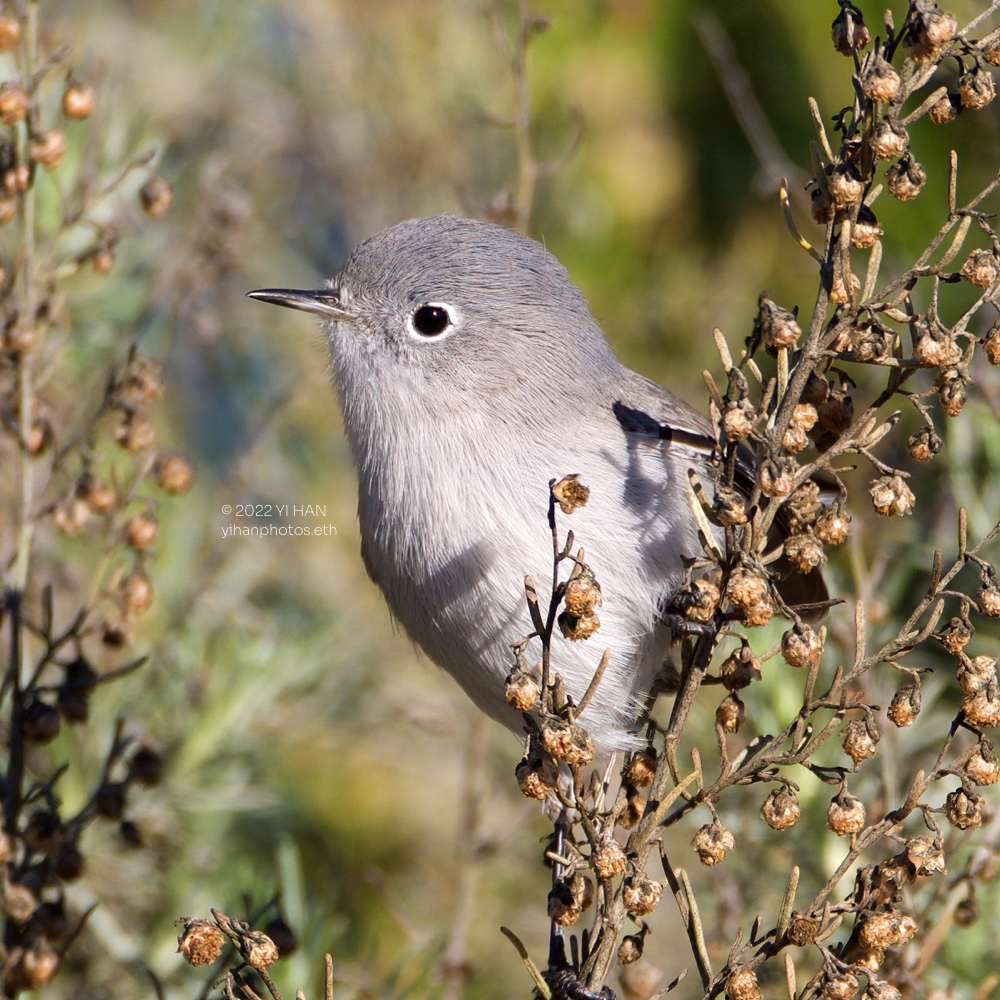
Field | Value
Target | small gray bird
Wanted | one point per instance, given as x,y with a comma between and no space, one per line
470,373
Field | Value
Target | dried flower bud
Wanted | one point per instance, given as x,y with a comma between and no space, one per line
200,943
801,646
935,350
777,476
711,842
641,894
976,88
570,493
738,419
566,741
136,434
964,809
905,705
982,766
846,814
731,714
155,196
981,268
805,552
743,985
889,140
891,496
839,986
582,593
860,739
989,599
740,668
77,100
802,930
10,33
906,178
924,444
924,855
879,81
173,473
41,722
946,109
929,30
834,526
781,808
776,327
14,104
630,950
47,149
641,768
608,860
136,592
865,230
849,34
578,628
536,776
846,186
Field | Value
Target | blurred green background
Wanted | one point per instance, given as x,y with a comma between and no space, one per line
312,751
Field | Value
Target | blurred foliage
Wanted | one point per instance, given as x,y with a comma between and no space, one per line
311,752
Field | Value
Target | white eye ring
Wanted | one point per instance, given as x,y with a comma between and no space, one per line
432,321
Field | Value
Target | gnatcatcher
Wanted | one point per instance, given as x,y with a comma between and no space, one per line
470,373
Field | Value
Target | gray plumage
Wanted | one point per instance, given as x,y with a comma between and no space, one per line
455,437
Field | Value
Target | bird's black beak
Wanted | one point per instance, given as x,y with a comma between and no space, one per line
325,302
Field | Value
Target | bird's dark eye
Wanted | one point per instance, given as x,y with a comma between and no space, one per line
429,321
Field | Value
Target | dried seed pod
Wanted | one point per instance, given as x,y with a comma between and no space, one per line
747,587
711,843
146,767
703,595
155,196
102,260
989,599
141,530
608,860
991,344
563,908
776,327
522,689
982,766
879,81
136,592
924,855
738,419
537,776
566,741
68,863
641,768
98,496
109,799
17,179
630,950
846,814
577,628
976,674
739,669
258,950
43,832
641,894
884,929
200,942
802,930
776,476
10,32
173,473
846,186
142,381
47,149
758,615
964,809
729,507
794,440
805,552
781,808
924,444
41,722
834,526
849,33
77,100
936,349
891,497
743,985
982,708
976,88
639,982
844,292
570,493
839,986
731,714
30,968
955,635
889,140
19,902
865,230
906,178
967,912
136,433
929,30
801,646
905,705
946,109
582,593
804,506
989,48
860,739
14,104
952,393
981,268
